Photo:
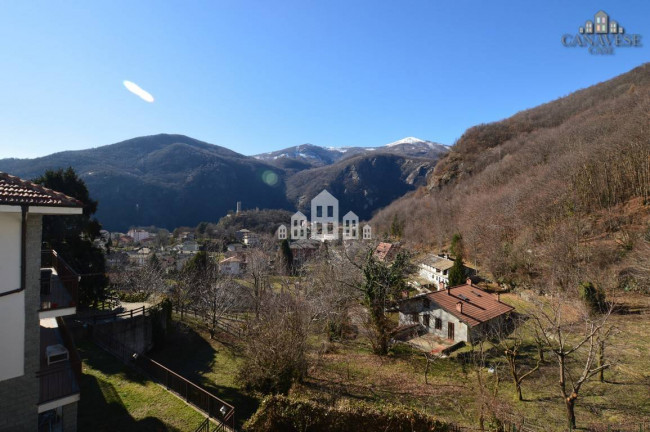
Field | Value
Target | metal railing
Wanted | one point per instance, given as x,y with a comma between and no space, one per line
114,316
204,426
193,394
203,400
63,294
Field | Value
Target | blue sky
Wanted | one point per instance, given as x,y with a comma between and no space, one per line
257,76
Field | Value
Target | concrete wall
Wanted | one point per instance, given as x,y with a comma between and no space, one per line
12,306
19,396
135,333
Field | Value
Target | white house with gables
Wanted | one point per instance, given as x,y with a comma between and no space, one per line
461,313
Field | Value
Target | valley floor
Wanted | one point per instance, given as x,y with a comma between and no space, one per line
350,371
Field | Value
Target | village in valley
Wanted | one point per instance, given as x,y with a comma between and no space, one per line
295,265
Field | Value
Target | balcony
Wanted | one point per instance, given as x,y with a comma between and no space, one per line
59,286
59,374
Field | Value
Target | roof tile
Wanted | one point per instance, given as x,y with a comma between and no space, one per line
16,191
478,306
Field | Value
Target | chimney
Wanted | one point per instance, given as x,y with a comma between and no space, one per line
459,307
498,296
448,293
469,281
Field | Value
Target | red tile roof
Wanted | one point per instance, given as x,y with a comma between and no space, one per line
478,306
16,191
386,251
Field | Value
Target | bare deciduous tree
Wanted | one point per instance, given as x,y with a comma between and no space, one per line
573,337
275,345
512,346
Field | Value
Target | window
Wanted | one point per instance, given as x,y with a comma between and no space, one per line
414,318
438,324
450,331
295,233
330,211
347,222
319,228
319,211
354,233
295,222
330,228
425,320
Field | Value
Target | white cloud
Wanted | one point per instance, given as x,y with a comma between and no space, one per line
138,91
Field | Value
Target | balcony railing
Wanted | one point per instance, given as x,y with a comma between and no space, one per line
60,379
59,282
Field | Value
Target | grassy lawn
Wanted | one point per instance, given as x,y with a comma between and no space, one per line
213,364
349,371
115,398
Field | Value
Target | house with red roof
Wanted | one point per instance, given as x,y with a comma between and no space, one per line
459,313
386,251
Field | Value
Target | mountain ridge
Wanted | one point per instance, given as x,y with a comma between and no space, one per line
171,180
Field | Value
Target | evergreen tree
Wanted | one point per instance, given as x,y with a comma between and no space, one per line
457,272
396,227
72,236
382,284
456,248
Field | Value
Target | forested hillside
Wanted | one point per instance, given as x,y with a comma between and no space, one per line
557,193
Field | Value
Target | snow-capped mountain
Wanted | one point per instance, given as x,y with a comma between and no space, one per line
415,141
308,155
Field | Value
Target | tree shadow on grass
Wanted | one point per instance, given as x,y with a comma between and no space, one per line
101,410
99,359
188,354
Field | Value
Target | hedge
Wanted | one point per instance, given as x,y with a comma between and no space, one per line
280,413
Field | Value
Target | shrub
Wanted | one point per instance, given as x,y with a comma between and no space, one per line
279,413
593,297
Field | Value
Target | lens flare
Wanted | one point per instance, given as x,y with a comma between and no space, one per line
138,91
270,178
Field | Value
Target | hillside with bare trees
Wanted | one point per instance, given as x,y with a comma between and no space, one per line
558,193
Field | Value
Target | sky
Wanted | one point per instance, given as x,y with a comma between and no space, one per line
258,76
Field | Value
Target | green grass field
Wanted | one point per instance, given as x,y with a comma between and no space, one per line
350,371
115,398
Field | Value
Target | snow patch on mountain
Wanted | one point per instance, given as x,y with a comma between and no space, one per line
408,140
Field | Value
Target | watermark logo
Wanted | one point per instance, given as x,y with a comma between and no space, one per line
601,35
325,223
